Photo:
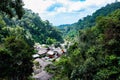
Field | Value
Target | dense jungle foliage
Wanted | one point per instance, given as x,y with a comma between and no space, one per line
19,30
95,56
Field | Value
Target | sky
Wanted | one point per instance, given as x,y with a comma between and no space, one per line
64,11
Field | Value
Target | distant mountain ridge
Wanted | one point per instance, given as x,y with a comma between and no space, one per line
70,30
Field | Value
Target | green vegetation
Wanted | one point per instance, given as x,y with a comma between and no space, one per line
96,54
15,59
15,52
19,30
70,31
12,8
36,29
41,31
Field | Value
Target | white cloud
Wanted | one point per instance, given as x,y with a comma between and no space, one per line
38,6
62,9
76,8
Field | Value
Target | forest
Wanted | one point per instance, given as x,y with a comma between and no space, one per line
19,29
71,30
94,54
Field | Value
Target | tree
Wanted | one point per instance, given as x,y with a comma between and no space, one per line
12,7
96,54
3,31
16,59
40,31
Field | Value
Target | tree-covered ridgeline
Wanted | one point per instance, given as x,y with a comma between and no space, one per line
70,31
41,31
96,54
35,28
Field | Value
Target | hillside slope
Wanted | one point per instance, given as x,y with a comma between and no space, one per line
37,29
95,56
71,31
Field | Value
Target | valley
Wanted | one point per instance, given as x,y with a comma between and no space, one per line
34,49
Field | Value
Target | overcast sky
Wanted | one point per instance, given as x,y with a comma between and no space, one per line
64,11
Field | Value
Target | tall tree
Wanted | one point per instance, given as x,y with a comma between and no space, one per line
12,7
15,59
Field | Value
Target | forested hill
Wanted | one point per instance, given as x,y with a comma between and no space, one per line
96,55
88,21
19,29
35,28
